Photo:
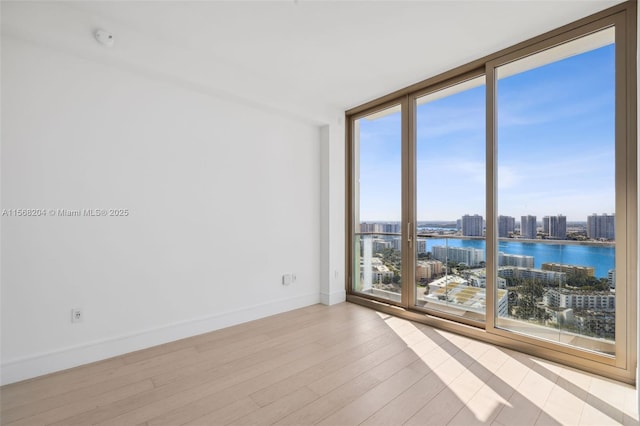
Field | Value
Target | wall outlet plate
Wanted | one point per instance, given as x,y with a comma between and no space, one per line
76,315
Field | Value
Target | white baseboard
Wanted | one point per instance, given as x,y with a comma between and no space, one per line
37,365
333,298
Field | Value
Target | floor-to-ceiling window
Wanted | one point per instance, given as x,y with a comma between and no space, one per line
377,246
502,196
450,273
555,153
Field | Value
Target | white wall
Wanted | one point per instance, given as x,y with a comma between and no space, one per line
332,282
223,198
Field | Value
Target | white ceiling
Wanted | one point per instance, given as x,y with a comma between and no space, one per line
311,59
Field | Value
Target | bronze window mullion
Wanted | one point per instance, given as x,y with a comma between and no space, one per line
409,176
491,240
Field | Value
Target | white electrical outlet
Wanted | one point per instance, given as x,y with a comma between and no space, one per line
76,315
287,279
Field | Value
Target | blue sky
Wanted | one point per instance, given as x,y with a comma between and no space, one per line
555,147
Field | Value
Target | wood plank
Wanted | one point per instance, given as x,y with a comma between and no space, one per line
284,387
95,385
182,392
408,403
363,407
331,402
82,405
343,364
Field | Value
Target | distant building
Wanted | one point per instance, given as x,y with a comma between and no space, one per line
555,226
532,274
374,271
601,227
478,278
427,269
611,278
367,227
580,300
587,271
528,227
454,290
468,256
600,323
545,225
472,226
506,226
592,313
380,245
390,228
515,260
421,245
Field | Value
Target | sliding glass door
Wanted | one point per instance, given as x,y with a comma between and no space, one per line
556,179
499,199
377,249
450,273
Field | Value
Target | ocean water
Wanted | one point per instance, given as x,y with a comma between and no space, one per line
602,258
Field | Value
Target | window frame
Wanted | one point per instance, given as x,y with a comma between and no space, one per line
621,366
412,185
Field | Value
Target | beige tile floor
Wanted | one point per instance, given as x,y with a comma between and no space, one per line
339,365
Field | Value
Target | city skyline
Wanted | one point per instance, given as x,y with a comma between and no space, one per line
539,220
555,147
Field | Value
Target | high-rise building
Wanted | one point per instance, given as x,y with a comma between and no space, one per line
391,228
396,243
586,271
532,274
545,225
425,270
580,299
367,227
506,226
555,226
515,260
468,256
472,226
528,227
601,226
380,245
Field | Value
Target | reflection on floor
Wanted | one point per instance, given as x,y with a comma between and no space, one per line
339,365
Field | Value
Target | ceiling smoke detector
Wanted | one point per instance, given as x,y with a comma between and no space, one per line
104,37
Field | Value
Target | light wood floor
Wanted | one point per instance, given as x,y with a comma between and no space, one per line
339,365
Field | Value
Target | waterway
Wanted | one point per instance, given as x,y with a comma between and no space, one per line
601,257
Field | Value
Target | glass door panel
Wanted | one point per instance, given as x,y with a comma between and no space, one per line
377,250
555,168
450,274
